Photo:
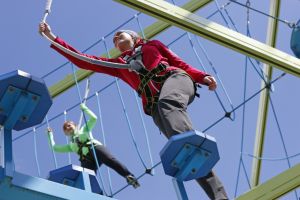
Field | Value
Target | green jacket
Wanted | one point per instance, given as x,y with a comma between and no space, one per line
82,135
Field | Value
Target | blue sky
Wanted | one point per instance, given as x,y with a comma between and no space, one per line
82,23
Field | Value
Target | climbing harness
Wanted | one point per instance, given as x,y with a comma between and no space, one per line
88,143
147,77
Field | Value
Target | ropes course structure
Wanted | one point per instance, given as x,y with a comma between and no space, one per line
252,114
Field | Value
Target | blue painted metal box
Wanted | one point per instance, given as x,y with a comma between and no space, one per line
24,100
189,155
71,175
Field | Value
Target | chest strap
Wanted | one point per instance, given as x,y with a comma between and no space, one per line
80,146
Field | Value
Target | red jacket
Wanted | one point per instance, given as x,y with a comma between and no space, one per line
153,52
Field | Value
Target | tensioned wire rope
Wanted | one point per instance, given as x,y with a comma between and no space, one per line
84,100
152,172
104,139
35,152
133,139
67,138
259,71
52,150
241,161
247,5
88,129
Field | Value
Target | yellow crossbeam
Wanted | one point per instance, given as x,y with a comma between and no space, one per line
276,186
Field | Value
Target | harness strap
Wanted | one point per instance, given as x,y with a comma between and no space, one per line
146,76
81,145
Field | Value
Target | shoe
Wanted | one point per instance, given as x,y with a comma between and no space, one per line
131,180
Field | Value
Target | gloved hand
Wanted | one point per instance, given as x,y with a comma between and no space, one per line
49,130
83,107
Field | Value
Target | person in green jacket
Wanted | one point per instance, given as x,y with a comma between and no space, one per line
81,143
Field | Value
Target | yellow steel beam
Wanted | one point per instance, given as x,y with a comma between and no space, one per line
264,96
276,186
216,33
150,32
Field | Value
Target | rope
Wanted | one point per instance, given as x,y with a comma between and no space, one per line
139,177
243,125
85,121
104,139
35,152
53,153
87,90
282,140
202,65
221,13
126,115
269,158
67,138
140,109
248,99
244,111
47,10
290,24
226,12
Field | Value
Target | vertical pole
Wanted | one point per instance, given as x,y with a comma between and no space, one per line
83,181
264,98
8,155
1,147
180,189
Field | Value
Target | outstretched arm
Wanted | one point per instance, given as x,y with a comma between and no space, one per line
57,148
45,29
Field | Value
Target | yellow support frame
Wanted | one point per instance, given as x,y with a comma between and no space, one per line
276,186
264,96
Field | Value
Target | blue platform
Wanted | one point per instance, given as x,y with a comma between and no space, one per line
295,40
76,176
189,155
21,186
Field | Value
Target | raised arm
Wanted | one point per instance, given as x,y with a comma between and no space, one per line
91,122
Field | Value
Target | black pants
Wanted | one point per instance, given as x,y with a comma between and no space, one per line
103,157
171,117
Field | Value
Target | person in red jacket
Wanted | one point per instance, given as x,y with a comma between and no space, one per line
164,81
